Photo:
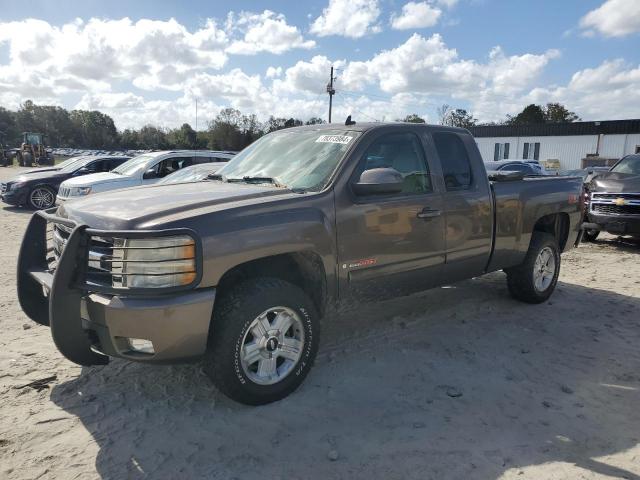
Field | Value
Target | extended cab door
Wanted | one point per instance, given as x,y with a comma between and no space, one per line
468,209
391,243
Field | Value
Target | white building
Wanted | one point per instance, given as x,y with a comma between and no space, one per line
566,143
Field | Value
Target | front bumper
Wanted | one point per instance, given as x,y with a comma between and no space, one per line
614,224
15,197
88,325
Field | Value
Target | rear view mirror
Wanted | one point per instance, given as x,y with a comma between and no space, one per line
379,181
151,173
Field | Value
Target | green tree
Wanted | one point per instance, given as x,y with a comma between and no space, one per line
9,132
532,114
459,118
413,118
184,137
558,113
314,121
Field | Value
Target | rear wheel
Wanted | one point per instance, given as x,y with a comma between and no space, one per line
590,235
263,341
42,197
535,279
27,159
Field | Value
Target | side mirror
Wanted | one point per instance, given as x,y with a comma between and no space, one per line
379,181
151,173
82,171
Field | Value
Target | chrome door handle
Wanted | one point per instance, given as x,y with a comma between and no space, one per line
429,213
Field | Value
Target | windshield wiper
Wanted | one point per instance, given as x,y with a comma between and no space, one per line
217,176
258,179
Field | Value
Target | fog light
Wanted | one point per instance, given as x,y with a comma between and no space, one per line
141,345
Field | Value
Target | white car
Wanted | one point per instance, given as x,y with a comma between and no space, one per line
144,169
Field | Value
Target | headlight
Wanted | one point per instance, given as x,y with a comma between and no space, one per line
79,191
17,185
154,262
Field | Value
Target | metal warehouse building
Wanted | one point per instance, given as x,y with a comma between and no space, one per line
570,144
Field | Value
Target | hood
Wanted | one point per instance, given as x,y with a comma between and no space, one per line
616,182
38,170
35,176
94,179
151,206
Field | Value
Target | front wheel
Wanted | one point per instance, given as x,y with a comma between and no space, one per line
42,197
263,341
535,279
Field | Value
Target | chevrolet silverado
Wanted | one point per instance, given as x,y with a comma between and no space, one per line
239,270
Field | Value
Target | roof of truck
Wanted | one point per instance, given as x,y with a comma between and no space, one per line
366,126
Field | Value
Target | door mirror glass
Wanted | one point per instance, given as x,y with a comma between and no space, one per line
151,173
379,181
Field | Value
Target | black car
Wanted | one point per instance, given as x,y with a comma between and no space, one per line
38,189
614,200
513,166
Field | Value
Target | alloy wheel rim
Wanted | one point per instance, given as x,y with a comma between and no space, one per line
42,198
272,345
544,269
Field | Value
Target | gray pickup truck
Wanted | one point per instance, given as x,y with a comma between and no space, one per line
239,270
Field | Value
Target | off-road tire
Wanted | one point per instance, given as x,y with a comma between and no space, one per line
590,235
234,312
521,280
27,160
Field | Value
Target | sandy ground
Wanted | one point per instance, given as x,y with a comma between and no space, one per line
459,382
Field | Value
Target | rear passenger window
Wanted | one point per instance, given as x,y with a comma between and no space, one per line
403,152
456,166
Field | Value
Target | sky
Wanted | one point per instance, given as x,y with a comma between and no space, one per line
150,62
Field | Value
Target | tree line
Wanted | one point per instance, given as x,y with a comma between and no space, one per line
229,130
531,114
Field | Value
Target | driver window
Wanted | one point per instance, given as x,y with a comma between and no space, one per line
93,167
403,152
171,165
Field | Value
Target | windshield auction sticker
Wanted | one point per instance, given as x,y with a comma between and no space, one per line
343,139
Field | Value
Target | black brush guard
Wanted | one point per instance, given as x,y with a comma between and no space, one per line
54,298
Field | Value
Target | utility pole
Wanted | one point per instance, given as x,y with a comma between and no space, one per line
331,91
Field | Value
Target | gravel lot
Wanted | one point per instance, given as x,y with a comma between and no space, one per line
458,382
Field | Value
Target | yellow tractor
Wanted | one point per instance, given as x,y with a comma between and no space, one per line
33,151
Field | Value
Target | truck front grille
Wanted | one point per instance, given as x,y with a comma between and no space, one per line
102,265
606,203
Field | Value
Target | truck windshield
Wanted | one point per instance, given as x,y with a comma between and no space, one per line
630,164
297,159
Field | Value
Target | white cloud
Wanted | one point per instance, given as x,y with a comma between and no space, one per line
265,32
274,72
427,66
447,3
348,18
609,91
416,15
91,56
309,77
614,18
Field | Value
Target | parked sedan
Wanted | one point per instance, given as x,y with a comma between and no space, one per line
514,166
194,173
38,189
